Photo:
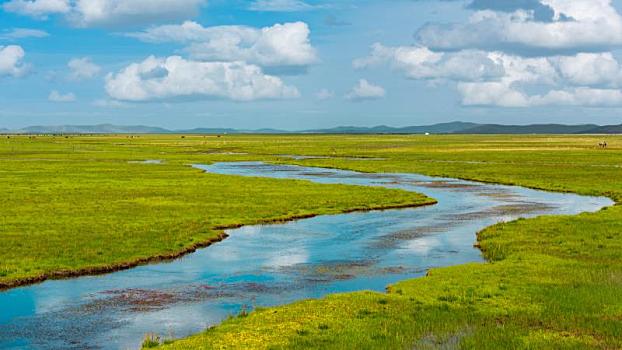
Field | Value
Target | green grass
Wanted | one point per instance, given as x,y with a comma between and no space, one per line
67,212
550,283
530,299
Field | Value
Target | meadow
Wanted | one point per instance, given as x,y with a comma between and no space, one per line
552,282
75,206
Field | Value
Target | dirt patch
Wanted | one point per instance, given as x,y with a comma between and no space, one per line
143,300
449,184
331,271
520,208
394,239
505,196
147,300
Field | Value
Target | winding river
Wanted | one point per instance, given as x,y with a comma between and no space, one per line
273,264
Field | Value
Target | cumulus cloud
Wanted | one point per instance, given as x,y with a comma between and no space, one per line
491,93
502,95
56,96
422,63
591,69
585,79
281,45
22,33
93,13
174,77
365,90
89,13
83,68
11,61
581,96
576,25
541,12
499,79
37,8
280,6
518,53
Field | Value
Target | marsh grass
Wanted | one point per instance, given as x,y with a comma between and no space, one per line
151,341
71,206
550,283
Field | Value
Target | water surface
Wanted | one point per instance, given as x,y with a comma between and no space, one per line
273,264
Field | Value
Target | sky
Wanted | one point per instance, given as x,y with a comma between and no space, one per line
302,64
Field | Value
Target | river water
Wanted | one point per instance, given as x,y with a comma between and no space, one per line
273,264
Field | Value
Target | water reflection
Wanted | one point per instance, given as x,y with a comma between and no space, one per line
273,264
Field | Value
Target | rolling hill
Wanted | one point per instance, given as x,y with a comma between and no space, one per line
441,128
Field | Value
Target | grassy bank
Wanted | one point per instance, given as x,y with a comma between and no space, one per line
72,206
553,282
550,283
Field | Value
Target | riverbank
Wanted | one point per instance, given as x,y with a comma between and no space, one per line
69,213
100,270
550,282
525,297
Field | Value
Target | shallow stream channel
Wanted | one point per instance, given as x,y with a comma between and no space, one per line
274,264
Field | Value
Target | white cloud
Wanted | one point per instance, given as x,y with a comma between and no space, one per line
37,8
500,79
365,90
83,68
188,32
491,94
175,77
324,94
422,63
566,80
56,96
276,46
538,70
578,25
580,97
518,54
281,6
591,69
93,13
89,13
11,61
22,33
502,95
403,55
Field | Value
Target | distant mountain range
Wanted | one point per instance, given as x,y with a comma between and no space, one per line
92,129
443,128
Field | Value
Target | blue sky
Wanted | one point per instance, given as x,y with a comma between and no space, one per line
294,64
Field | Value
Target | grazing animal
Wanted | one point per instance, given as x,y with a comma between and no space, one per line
602,144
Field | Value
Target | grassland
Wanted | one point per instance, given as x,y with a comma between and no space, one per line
85,205
550,283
